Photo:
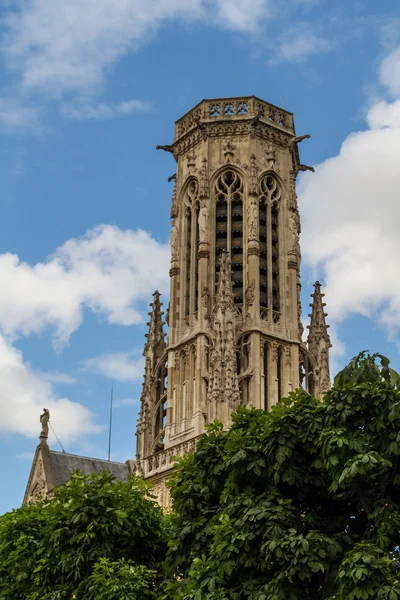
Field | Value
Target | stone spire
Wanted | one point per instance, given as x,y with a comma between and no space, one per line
155,337
153,351
319,341
223,388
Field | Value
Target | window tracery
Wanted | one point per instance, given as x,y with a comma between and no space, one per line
191,242
229,227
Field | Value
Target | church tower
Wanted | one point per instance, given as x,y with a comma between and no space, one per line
234,330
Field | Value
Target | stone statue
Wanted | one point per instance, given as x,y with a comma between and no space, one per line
250,293
205,296
253,218
174,241
203,223
44,420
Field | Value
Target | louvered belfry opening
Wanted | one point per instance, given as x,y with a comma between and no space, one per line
275,262
263,255
269,205
229,227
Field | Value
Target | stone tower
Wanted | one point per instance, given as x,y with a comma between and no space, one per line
234,329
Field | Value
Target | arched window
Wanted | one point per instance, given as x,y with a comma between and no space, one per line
269,203
229,227
191,241
160,416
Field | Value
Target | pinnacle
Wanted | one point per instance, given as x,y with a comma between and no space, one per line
224,289
155,324
317,315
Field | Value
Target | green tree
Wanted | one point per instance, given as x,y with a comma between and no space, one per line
95,539
301,503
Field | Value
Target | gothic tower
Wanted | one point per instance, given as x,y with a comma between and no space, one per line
234,330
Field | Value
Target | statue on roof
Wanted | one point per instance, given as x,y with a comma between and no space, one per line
44,420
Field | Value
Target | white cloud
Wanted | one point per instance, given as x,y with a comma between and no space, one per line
67,46
351,214
126,402
23,395
384,114
104,111
56,377
242,16
390,72
297,44
15,115
61,47
108,271
121,366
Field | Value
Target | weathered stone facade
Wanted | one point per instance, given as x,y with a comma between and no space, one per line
234,330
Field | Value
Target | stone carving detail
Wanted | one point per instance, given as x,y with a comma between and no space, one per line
203,223
288,353
229,149
253,176
253,220
205,298
294,225
270,157
44,420
223,378
174,241
204,184
249,295
191,162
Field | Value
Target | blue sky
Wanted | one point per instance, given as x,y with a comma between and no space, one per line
88,89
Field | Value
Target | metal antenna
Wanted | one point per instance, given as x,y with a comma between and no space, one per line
56,437
109,433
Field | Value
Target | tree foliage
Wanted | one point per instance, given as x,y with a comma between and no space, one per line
301,503
95,539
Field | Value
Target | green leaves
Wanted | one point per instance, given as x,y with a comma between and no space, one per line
96,538
302,503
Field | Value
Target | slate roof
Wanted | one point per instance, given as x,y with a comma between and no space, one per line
63,465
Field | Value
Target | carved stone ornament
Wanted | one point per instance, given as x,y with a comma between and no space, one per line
288,353
204,191
203,223
270,157
253,176
191,162
229,149
205,297
44,420
253,220
174,241
249,295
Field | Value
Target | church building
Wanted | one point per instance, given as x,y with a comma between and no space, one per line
235,335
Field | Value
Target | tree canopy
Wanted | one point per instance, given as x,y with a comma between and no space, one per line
95,539
300,503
